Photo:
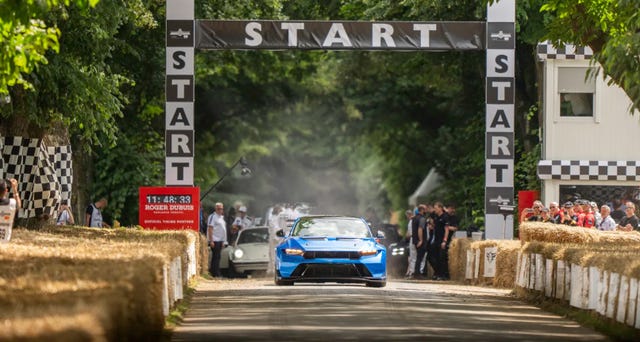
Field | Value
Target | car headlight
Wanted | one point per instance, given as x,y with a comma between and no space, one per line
238,253
368,252
397,251
293,251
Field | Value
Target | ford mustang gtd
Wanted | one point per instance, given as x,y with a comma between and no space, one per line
331,249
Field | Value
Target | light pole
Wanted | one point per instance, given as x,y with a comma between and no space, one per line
244,171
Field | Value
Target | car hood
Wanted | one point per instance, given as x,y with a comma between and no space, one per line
331,244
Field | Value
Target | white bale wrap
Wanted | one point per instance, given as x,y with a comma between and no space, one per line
476,270
576,286
165,291
567,282
490,256
468,271
192,261
612,295
603,289
539,284
560,279
633,301
594,280
532,272
548,278
623,299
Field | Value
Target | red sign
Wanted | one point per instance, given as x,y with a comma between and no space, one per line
169,207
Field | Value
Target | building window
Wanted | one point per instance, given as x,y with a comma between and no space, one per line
576,89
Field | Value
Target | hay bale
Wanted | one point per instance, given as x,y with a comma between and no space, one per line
506,264
54,326
458,258
557,233
121,275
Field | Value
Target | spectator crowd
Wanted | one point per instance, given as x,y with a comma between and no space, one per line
429,231
584,213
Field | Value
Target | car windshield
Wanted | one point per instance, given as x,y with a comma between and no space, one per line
260,235
331,226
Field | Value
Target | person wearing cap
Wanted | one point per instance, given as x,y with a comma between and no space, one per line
630,221
544,215
586,218
569,216
241,221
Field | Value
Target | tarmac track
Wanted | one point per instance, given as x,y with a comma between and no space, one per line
257,310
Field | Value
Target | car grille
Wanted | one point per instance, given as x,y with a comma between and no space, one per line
331,271
331,255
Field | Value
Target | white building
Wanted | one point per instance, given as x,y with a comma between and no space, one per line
590,140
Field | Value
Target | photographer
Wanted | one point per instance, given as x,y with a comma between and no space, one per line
14,201
65,217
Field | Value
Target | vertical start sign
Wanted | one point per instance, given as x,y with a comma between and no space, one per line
179,84
500,97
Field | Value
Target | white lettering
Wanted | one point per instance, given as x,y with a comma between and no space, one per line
501,89
181,207
424,30
180,84
253,31
337,35
380,32
293,29
500,146
158,207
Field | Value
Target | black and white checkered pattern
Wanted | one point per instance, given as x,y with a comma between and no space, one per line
589,170
44,174
547,51
60,158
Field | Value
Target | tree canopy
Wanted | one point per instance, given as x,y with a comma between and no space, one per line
347,130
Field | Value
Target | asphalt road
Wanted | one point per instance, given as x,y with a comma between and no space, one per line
257,310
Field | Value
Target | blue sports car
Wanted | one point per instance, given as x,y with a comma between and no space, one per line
331,249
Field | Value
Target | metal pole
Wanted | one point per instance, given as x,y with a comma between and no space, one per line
221,179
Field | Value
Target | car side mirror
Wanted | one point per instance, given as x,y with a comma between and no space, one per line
381,235
280,233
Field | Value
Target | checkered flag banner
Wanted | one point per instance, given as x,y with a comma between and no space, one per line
546,50
622,170
44,174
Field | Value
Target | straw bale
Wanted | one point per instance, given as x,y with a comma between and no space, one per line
506,263
458,258
118,272
614,257
53,326
557,233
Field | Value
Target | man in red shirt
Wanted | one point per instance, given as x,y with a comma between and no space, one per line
586,218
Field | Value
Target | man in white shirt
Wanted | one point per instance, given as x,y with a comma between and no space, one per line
607,222
217,238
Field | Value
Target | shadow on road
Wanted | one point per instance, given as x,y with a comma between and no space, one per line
400,312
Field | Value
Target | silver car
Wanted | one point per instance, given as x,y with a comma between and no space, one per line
248,254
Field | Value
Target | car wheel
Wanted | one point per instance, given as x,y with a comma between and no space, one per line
280,282
376,283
